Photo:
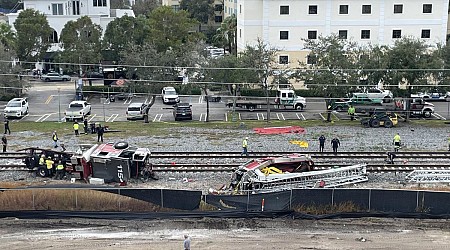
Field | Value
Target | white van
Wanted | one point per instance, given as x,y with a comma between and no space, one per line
136,110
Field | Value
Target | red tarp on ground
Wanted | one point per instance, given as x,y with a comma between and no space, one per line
280,130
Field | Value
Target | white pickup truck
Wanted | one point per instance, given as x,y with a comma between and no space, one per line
77,110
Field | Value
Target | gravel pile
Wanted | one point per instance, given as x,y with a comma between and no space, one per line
200,139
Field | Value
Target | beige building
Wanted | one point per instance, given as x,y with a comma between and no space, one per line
284,23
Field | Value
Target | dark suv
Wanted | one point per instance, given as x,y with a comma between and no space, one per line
182,111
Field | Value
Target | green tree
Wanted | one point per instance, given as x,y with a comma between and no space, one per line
170,29
372,63
123,32
81,41
144,7
226,34
11,85
409,61
334,69
33,32
7,36
200,10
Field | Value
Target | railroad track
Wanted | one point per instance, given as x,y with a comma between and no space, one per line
229,167
214,161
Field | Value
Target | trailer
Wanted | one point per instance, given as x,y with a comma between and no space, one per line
286,98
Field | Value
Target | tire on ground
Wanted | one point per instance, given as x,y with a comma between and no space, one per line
375,123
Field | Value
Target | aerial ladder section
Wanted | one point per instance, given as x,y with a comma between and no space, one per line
258,182
429,176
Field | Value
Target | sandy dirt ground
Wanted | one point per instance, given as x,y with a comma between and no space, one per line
366,233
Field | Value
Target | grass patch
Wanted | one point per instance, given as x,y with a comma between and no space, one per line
72,200
344,207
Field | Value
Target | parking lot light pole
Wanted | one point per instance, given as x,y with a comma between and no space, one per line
59,105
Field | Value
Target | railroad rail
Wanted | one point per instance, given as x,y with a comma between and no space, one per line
405,161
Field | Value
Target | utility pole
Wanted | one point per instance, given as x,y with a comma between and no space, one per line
233,115
59,105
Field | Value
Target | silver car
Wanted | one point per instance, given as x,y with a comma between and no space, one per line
50,77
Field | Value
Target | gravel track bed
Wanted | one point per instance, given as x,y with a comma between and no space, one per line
199,139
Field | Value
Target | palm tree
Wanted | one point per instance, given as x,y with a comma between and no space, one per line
226,34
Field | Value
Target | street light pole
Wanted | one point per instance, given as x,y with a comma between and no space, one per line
59,105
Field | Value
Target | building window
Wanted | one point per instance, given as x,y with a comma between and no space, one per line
398,8
176,8
311,59
367,9
240,33
57,9
426,34
283,59
343,34
312,34
218,19
240,8
284,10
365,34
100,3
284,35
218,7
312,10
343,9
427,8
53,37
396,34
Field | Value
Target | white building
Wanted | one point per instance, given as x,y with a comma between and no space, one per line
59,12
284,23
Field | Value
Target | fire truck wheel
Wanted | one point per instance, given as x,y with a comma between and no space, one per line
121,145
41,172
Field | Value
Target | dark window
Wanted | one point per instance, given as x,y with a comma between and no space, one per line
312,34
284,35
218,7
343,34
284,10
312,10
398,8
427,8
311,59
283,60
99,3
343,9
367,9
396,34
218,19
365,34
426,34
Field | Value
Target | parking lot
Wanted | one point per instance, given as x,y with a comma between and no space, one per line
47,102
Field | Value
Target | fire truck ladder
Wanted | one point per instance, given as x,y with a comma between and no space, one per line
429,176
329,178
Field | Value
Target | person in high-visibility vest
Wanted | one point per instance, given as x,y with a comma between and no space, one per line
245,146
55,139
397,142
49,164
351,112
59,171
42,160
75,128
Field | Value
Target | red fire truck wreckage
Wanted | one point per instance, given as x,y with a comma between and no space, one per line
110,162
287,172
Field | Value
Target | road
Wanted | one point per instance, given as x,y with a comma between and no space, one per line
49,100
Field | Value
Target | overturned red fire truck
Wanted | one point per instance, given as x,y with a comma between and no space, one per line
112,162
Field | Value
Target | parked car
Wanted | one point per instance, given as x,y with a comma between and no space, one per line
93,75
378,94
50,77
182,111
433,96
136,110
77,110
360,101
17,107
169,95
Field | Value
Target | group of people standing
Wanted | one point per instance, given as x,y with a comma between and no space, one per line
99,129
54,167
335,143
